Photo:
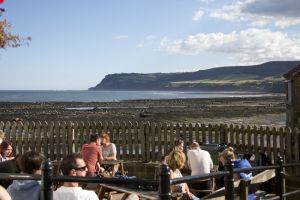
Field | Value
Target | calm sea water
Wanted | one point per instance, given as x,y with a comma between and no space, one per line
106,96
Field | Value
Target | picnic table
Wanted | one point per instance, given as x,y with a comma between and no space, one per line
113,164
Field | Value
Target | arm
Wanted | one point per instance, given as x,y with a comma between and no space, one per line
100,157
211,163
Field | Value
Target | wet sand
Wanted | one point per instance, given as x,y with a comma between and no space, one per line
259,111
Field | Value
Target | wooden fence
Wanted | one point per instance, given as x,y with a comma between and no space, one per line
145,141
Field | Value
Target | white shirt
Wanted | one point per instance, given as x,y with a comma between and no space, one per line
109,150
199,161
73,193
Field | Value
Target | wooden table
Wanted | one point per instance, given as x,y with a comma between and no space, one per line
113,164
105,187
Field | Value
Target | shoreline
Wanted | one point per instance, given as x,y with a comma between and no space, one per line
259,111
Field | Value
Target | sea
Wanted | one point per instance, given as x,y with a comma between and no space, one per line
109,96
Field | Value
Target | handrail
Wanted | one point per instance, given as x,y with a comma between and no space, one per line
189,179
252,169
132,181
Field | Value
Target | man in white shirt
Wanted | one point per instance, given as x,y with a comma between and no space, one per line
73,165
200,162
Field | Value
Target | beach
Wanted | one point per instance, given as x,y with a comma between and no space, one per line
258,111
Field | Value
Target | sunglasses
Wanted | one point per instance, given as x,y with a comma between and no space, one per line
81,168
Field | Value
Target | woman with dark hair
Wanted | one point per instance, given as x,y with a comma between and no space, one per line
6,151
28,189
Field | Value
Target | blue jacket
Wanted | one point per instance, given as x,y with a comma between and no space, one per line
25,189
244,163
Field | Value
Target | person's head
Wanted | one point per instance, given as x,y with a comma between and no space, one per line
228,153
195,145
6,148
2,136
95,138
31,162
73,165
176,159
105,138
178,145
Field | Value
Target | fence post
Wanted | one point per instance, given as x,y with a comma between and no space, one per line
47,173
229,186
164,183
280,182
244,189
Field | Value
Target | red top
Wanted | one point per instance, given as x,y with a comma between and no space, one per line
91,154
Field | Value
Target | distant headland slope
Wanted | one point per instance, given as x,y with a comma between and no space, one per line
266,77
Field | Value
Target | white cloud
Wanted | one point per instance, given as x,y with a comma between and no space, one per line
245,47
261,12
121,37
197,15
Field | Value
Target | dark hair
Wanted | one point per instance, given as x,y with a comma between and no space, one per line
69,163
94,137
4,145
31,161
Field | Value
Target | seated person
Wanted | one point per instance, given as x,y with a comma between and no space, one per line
176,161
73,165
91,154
199,162
229,153
109,150
28,189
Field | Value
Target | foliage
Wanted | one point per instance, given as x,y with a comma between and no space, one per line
8,39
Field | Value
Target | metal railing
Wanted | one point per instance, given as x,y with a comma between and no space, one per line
164,183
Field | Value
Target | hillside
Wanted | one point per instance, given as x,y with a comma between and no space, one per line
266,77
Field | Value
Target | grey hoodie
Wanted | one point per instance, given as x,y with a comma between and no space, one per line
25,189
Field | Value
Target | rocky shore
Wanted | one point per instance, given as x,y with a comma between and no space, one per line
260,111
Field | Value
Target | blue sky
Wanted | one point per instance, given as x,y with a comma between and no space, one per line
76,43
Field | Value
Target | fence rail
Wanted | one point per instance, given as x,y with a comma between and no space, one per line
145,141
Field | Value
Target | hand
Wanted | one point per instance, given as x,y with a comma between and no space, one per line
98,168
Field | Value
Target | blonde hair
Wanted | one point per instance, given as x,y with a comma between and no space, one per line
176,160
105,136
228,153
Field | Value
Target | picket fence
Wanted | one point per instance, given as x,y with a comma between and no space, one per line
147,141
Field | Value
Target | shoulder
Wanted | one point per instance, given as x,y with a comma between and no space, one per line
91,195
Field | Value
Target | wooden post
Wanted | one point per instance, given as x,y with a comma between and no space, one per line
280,182
164,183
229,187
244,190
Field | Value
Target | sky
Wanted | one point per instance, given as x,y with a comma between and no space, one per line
75,44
